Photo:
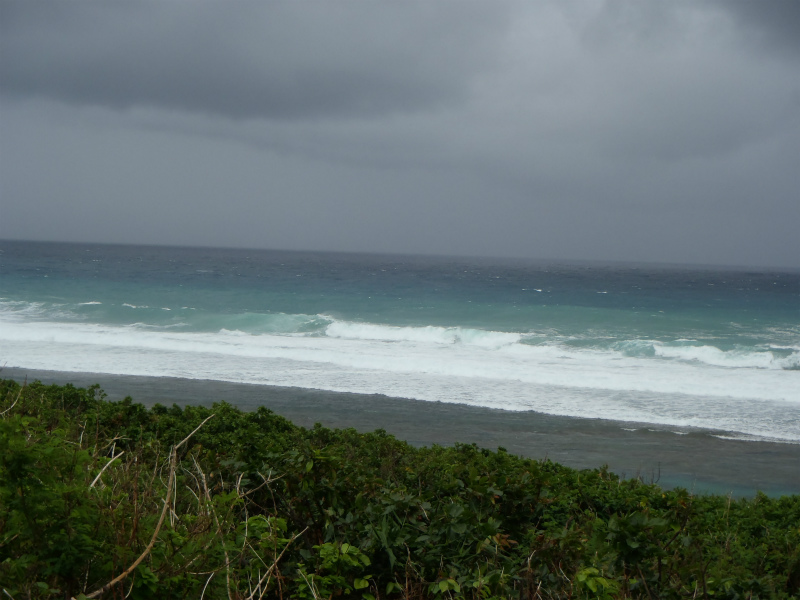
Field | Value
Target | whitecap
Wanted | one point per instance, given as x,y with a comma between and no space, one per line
429,334
457,365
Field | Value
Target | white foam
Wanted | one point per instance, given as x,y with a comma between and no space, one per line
430,334
14,310
752,438
460,365
19,311
711,355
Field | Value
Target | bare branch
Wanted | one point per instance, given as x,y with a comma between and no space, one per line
275,564
186,439
206,585
267,481
103,470
173,462
219,528
5,411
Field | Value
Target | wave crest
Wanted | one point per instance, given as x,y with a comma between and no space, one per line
426,335
735,358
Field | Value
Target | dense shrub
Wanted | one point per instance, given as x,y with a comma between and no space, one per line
94,493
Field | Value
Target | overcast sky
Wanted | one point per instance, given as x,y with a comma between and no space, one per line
564,129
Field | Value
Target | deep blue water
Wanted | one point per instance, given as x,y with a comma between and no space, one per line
686,347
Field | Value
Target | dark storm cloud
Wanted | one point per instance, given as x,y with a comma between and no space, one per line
608,129
266,59
771,24
774,23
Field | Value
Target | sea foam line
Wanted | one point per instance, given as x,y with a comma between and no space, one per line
543,364
760,418
548,379
428,334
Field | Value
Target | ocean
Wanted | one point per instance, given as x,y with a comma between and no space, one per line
686,348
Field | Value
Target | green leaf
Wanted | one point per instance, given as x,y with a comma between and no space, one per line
392,587
360,584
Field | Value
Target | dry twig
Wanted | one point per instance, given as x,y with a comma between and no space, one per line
96,479
275,564
173,462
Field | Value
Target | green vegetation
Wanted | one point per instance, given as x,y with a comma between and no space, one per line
110,499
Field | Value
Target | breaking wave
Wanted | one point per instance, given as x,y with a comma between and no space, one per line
684,382
427,335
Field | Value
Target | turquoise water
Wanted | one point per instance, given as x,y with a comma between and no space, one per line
686,347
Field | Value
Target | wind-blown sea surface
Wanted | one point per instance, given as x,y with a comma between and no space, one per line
717,349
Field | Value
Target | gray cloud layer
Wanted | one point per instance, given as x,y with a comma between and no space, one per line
613,130
250,60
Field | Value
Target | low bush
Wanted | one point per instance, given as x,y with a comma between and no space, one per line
113,500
